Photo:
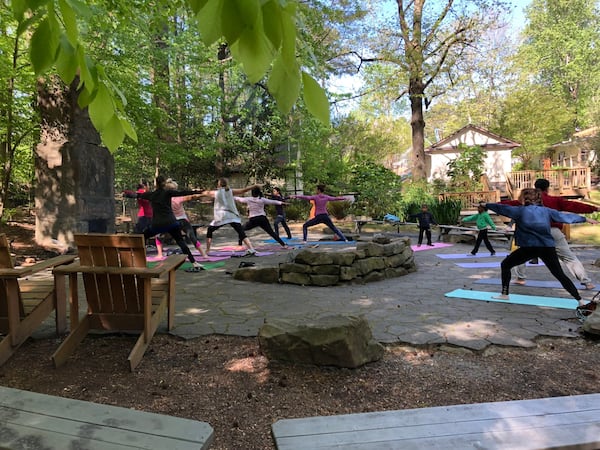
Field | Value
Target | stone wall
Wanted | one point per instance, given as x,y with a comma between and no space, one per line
374,260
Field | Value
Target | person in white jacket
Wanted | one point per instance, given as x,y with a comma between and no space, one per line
225,213
256,213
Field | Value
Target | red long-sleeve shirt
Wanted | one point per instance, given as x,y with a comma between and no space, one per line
560,204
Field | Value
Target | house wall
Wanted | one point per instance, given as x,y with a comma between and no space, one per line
497,163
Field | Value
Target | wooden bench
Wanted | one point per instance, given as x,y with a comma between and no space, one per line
57,423
571,422
445,230
359,223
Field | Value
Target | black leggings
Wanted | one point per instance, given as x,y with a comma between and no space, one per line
548,256
324,219
263,222
175,231
427,232
482,236
235,225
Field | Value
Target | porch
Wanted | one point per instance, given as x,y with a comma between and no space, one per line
571,182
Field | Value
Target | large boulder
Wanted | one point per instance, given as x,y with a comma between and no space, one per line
342,341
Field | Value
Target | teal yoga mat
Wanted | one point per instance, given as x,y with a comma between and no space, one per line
515,299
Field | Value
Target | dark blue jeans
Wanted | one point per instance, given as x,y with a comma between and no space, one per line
281,220
324,219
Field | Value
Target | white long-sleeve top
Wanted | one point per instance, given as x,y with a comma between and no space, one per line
224,208
256,205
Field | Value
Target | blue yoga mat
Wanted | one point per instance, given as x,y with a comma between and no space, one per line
468,255
529,283
515,299
489,265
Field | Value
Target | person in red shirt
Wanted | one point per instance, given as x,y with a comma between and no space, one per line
144,216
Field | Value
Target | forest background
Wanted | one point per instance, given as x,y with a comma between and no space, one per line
187,100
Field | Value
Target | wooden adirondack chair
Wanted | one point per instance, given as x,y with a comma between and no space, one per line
121,292
26,303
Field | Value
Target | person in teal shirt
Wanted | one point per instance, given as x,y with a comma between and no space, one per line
482,221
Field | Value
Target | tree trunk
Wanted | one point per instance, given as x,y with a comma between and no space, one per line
75,174
417,123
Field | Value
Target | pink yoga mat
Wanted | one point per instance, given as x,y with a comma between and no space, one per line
430,247
196,257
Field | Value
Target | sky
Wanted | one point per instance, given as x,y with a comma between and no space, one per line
348,83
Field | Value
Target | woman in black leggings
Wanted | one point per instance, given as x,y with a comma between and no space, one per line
533,236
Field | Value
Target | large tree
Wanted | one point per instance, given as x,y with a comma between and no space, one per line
423,44
560,50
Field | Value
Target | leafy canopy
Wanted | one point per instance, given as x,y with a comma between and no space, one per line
260,33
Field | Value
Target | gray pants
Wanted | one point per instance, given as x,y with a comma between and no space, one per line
565,255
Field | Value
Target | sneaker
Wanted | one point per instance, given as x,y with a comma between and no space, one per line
196,267
584,311
250,252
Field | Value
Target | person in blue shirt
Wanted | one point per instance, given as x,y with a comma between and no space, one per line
534,238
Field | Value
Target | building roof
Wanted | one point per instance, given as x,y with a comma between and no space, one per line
472,135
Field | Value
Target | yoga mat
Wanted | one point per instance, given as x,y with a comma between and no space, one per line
515,299
468,255
430,247
239,254
197,257
490,265
529,283
188,265
291,241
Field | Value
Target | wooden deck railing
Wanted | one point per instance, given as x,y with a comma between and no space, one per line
574,181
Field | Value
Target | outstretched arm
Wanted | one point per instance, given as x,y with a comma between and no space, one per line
241,191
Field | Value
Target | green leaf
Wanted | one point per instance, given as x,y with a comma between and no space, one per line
102,107
113,134
272,21
284,84
197,5
42,50
86,70
70,22
81,9
85,97
35,4
209,21
18,9
254,51
66,61
288,45
128,128
315,99
237,16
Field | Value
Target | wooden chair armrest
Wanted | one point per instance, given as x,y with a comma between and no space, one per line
21,272
170,263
